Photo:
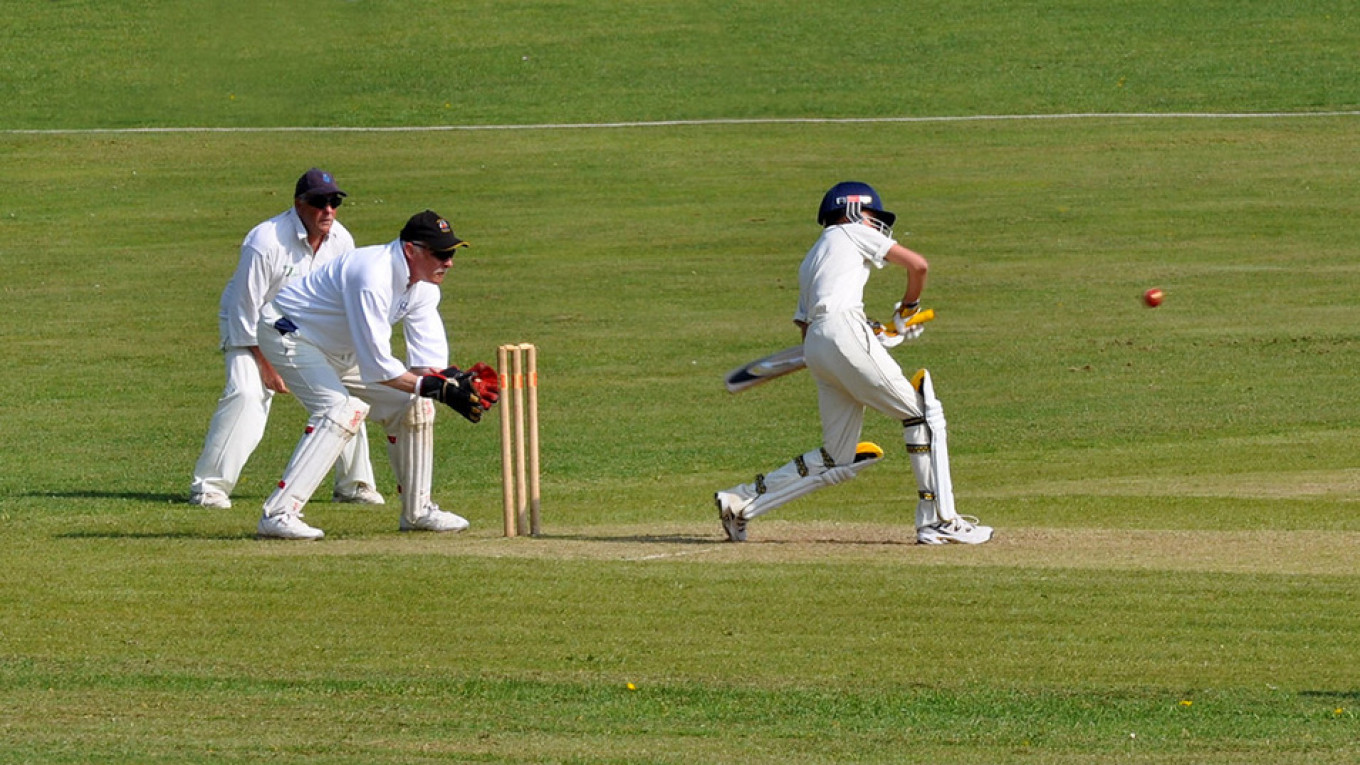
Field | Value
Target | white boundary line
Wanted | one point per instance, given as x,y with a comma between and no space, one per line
700,122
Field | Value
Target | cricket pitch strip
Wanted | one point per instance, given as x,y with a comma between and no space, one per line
1297,552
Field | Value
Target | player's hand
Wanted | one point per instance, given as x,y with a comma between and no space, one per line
885,338
486,382
269,376
273,381
902,315
453,388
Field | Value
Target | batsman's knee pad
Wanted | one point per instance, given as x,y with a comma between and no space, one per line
806,474
320,445
410,447
928,447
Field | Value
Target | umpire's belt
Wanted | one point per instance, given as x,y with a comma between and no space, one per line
285,326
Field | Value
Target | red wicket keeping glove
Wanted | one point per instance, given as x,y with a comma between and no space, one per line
486,382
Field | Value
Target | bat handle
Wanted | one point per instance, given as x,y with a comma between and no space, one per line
920,317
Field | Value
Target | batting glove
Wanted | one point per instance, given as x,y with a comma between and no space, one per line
885,338
901,315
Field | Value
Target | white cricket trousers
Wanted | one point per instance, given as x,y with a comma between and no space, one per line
238,425
324,381
853,371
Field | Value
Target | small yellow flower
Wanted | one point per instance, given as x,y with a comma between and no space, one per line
1186,702
632,687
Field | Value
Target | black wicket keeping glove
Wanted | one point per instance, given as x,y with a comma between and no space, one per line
453,387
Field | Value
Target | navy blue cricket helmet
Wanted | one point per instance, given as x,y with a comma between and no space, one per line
847,198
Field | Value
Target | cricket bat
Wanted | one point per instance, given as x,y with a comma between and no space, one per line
790,360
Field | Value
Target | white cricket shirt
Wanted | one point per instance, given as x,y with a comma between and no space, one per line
273,254
834,272
349,305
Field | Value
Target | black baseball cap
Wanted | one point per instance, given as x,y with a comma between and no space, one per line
317,181
432,230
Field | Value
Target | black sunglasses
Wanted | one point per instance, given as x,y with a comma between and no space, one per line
436,254
321,201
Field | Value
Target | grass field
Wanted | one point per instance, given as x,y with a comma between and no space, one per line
1177,558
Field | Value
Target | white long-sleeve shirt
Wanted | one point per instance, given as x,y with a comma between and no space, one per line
349,305
832,276
274,254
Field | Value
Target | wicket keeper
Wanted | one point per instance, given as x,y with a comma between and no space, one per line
332,343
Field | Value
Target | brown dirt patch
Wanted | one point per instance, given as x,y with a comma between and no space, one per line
775,541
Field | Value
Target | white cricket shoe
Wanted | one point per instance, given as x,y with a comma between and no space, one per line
963,530
215,500
434,519
729,512
286,526
363,494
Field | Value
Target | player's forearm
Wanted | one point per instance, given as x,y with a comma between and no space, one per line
406,383
260,360
409,381
917,270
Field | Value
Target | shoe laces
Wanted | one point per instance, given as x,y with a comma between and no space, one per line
962,523
431,510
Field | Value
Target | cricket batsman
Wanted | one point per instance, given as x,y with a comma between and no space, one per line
853,370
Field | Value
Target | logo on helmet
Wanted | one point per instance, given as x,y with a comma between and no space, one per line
862,199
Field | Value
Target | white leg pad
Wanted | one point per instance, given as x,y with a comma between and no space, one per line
805,474
410,446
354,466
325,437
928,447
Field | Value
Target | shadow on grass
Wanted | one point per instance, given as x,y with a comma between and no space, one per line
835,541
1353,696
671,539
233,537
180,500
138,496
689,539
